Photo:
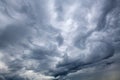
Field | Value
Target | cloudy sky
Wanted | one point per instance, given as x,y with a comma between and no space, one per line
59,39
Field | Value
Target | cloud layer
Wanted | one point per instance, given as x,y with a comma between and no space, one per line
59,39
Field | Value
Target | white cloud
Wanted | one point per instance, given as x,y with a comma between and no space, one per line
31,75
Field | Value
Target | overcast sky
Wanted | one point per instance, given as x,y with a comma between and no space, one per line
59,39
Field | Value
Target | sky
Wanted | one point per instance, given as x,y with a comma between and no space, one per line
59,39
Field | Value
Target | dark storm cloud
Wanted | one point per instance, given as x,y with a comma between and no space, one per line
57,39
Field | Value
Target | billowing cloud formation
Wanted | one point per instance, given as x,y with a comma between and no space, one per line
59,39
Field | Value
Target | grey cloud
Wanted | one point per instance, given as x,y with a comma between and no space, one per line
13,34
55,39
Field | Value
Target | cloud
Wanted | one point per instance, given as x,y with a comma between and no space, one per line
44,40
36,76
